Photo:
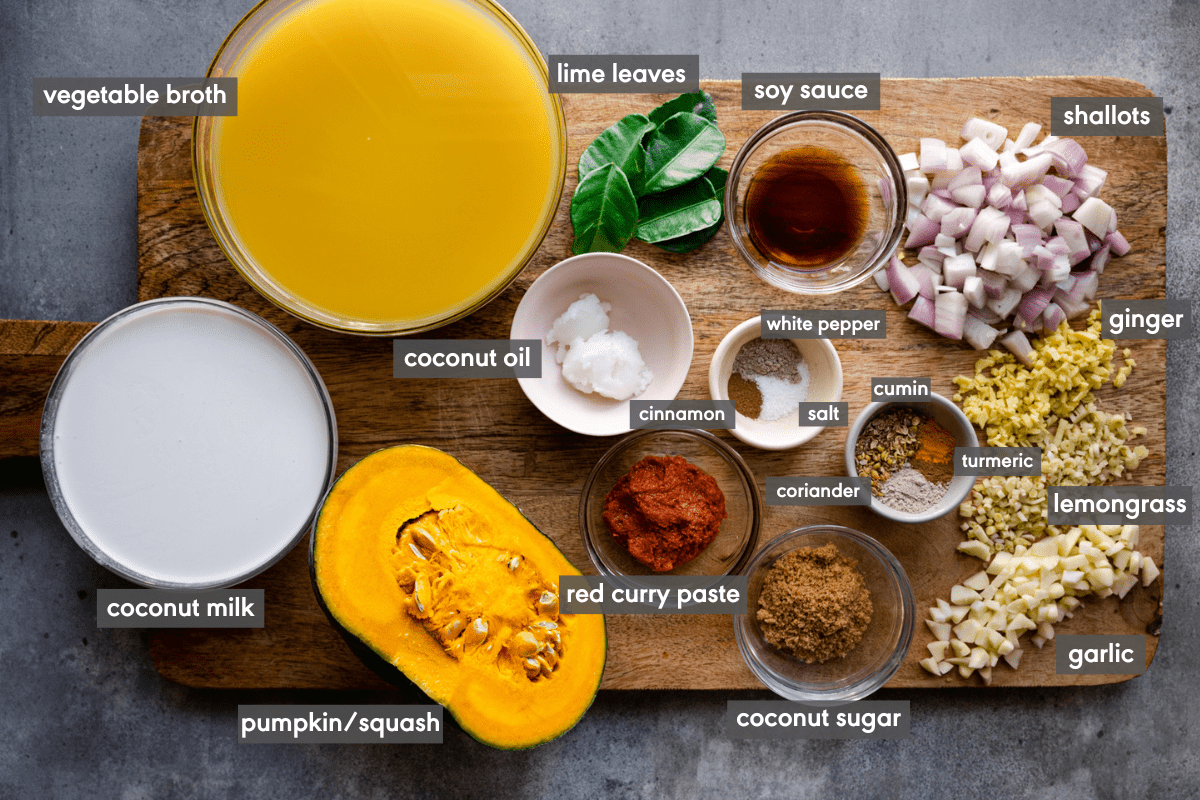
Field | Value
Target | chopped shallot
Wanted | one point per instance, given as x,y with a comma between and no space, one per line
1010,237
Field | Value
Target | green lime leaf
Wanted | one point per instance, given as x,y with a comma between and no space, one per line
717,177
698,103
681,149
678,212
619,144
688,243
604,211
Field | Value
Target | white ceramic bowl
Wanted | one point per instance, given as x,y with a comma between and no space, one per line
644,305
825,386
950,417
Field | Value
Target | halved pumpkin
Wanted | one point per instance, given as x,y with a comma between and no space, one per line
426,564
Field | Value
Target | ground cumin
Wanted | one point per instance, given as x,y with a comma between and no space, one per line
814,604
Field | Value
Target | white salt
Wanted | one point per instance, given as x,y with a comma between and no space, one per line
780,397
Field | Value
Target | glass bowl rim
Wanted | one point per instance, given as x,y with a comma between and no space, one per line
837,119
50,468
943,506
203,174
731,456
798,691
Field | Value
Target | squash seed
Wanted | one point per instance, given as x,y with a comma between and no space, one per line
422,538
476,632
405,578
422,597
550,657
455,627
544,667
548,604
525,645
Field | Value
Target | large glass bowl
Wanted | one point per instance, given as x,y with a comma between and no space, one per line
249,32
855,142
878,654
181,444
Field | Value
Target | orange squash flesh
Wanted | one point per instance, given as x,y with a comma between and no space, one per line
479,558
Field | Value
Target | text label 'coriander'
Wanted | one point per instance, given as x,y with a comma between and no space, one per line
819,491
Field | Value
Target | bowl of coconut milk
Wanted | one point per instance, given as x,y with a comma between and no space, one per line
187,443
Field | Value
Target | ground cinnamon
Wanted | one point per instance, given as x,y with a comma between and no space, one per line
814,604
746,396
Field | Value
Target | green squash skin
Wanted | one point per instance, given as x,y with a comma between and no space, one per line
381,666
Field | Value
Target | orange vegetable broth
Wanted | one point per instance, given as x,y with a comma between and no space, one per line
391,160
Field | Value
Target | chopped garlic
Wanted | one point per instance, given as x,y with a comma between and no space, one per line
1034,588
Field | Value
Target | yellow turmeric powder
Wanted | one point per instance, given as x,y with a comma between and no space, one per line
935,452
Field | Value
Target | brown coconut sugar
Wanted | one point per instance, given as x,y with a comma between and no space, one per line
814,604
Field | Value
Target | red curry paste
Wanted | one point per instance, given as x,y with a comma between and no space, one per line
665,511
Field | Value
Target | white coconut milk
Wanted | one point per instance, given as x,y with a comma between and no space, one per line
190,444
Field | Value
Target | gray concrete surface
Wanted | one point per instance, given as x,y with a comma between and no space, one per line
82,712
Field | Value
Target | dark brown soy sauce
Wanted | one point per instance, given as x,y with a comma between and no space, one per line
806,208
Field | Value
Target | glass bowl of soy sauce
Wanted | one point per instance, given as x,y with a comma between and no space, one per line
816,201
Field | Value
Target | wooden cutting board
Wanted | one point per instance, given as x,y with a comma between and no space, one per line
495,431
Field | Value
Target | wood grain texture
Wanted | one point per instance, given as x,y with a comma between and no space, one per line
31,351
496,432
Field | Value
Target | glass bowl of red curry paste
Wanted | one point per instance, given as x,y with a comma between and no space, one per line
688,494
876,656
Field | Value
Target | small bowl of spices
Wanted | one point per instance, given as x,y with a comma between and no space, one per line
766,378
674,501
831,615
907,452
